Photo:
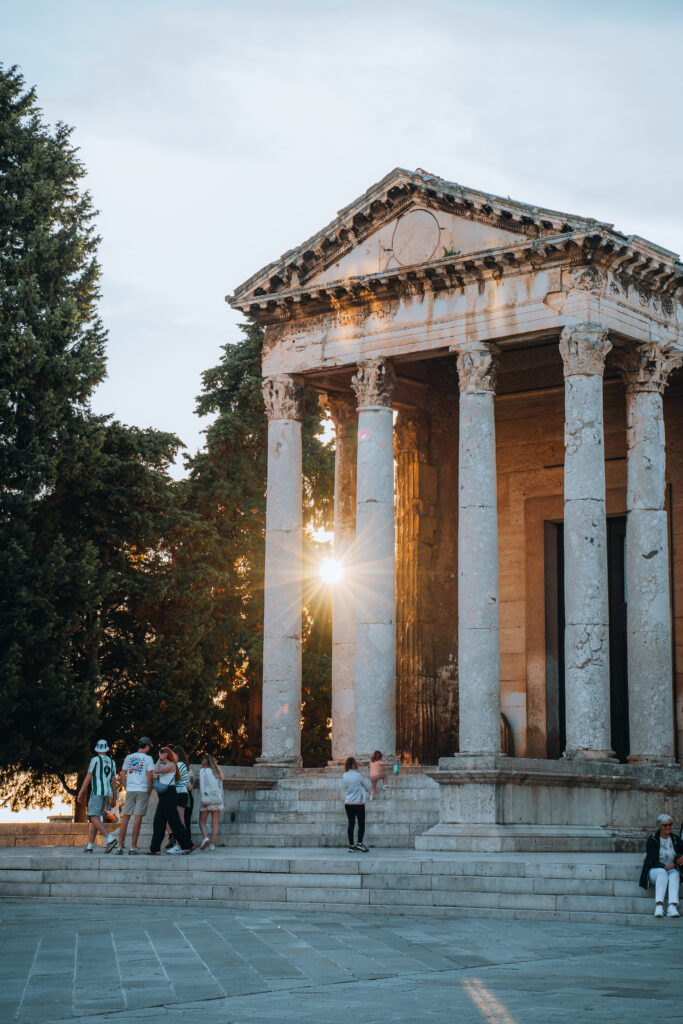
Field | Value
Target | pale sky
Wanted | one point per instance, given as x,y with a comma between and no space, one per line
220,133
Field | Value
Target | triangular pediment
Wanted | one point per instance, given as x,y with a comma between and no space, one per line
407,218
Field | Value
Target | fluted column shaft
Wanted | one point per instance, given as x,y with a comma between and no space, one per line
584,348
343,625
650,669
374,572
283,575
478,612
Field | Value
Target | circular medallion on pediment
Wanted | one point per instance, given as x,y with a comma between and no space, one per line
416,237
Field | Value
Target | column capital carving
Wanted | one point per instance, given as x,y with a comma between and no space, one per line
477,366
340,408
284,398
647,367
584,348
374,383
411,432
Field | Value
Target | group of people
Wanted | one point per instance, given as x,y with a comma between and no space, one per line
172,779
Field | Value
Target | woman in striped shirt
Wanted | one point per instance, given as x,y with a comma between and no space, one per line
183,788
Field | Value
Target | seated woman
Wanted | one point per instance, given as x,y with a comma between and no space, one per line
663,856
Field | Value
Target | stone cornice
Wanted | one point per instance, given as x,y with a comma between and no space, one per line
601,262
390,197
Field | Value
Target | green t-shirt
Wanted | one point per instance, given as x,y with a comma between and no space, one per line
103,770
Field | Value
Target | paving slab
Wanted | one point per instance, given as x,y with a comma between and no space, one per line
92,964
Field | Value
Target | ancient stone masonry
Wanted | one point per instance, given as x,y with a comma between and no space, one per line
584,348
478,607
345,418
416,684
374,572
523,354
283,397
646,371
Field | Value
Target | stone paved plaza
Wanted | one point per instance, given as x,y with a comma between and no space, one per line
90,963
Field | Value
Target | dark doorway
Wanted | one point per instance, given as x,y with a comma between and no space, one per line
554,607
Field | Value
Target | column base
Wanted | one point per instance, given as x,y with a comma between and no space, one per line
653,760
279,762
589,755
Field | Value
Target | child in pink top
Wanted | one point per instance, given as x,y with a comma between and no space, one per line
376,773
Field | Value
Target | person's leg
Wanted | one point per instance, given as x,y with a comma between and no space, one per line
203,815
658,878
137,825
351,817
159,824
187,818
125,818
173,818
360,815
674,881
215,824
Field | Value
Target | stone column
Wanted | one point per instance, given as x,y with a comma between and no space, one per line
650,670
584,348
375,564
343,626
478,614
283,398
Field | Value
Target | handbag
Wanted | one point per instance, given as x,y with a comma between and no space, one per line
162,787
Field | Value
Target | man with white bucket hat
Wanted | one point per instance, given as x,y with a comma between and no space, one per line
100,777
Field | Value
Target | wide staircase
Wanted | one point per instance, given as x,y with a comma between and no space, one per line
307,809
553,887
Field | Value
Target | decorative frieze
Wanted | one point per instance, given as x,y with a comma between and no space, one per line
477,367
374,383
584,348
283,398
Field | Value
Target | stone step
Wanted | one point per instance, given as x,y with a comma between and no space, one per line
583,887
378,815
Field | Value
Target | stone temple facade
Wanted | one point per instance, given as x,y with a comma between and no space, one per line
506,388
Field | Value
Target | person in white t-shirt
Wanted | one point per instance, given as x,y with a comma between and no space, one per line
136,778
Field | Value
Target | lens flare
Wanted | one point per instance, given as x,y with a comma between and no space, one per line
331,571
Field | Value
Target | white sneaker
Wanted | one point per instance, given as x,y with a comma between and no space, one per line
175,849
110,844
88,848
212,848
121,850
659,910
205,842
672,911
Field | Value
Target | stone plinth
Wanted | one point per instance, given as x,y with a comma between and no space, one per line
509,804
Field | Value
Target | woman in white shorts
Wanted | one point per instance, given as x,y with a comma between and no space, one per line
211,794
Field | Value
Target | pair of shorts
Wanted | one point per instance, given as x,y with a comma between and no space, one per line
136,803
212,807
97,805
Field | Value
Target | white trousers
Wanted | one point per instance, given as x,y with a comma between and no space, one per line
663,879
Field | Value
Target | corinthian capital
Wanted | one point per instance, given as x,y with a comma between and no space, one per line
341,410
584,348
374,383
647,367
284,398
477,366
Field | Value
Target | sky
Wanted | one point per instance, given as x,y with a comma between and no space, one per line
218,134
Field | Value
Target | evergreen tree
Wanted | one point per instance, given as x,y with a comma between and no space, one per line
51,359
227,483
